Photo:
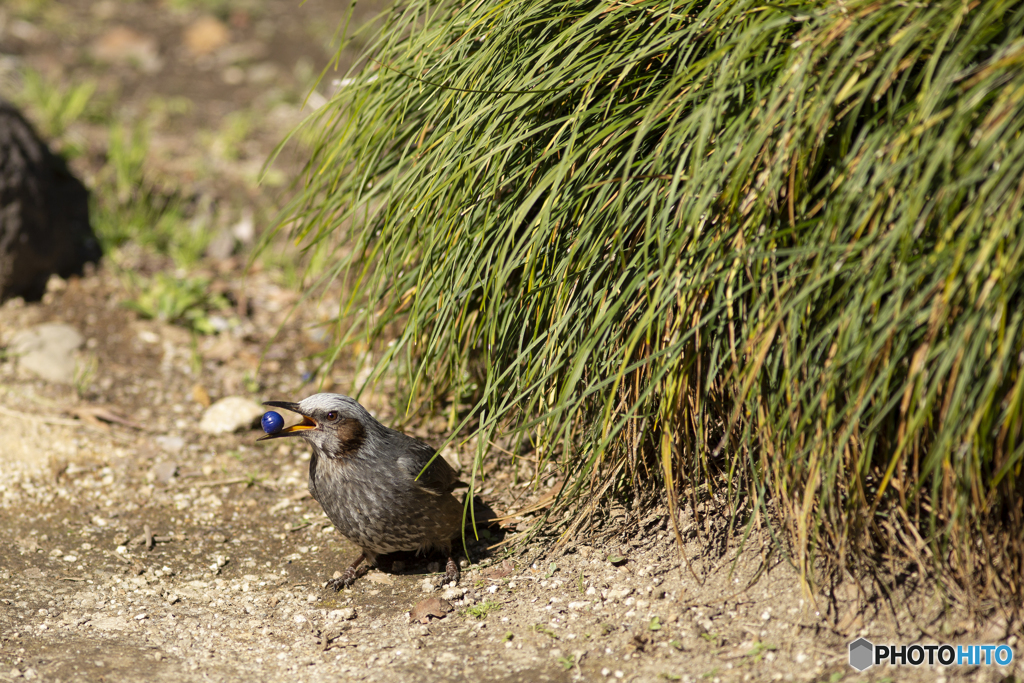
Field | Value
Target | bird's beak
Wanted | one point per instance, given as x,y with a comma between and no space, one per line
306,424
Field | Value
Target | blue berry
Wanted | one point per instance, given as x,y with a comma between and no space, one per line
272,422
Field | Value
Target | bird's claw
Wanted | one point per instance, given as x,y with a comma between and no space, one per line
451,572
347,578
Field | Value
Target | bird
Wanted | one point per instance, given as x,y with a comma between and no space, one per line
383,490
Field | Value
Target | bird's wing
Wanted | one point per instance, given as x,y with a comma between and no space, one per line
439,477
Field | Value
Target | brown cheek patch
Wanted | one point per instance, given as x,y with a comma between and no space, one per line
350,437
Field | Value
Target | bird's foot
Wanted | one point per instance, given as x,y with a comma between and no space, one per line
347,578
451,572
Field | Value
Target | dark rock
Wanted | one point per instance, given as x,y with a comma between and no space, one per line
44,212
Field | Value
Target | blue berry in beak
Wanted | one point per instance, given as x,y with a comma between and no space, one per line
272,422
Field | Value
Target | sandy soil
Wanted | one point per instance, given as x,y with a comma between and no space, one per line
133,546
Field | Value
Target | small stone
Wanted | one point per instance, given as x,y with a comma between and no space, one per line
110,624
47,351
427,586
617,593
245,229
122,45
164,472
454,593
170,444
230,414
205,35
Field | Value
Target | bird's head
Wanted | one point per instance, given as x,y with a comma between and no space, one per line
335,425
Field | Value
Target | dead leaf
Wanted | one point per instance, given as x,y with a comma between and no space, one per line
499,571
430,607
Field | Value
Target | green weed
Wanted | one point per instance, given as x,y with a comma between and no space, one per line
182,301
54,107
480,611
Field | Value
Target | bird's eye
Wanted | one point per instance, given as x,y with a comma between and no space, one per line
332,416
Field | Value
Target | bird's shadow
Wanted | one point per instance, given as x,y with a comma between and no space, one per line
479,545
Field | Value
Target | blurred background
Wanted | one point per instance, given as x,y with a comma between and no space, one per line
168,111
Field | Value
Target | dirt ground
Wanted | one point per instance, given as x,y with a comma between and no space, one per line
135,546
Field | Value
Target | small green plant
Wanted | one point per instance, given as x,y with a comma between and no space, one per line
236,128
182,301
217,7
710,637
758,650
483,609
655,624
507,637
545,629
55,107
254,479
567,662
670,677
251,383
552,568
127,149
85,373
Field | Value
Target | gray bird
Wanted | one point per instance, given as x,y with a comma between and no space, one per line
371,482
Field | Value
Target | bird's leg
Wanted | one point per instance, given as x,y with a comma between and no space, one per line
451,571
348,577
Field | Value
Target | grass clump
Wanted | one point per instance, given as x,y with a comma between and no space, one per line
186,301
481,610
768,252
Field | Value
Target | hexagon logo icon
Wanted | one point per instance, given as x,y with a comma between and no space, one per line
862,654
